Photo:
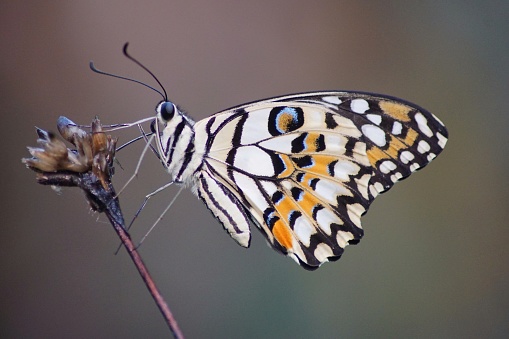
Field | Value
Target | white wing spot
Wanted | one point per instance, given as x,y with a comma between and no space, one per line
379,187
375,134
397,128
387,166
332,99
441,140
359,106
303,229
414,167
325,218
362,185
406,157
354,212
396,176
422,122
254,160
376,189
431,156
423,147
330,189
322,252
343,237
373,191
374,118
344,169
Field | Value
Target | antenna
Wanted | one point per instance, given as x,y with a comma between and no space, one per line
98,71
130,57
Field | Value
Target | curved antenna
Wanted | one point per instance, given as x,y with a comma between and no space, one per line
145,68
98,71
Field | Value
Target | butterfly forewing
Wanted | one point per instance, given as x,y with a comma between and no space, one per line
304,168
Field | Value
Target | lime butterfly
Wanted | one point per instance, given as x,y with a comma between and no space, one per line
303,168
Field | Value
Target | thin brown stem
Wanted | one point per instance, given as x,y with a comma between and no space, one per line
147,278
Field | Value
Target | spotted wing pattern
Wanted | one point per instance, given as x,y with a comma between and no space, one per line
304,168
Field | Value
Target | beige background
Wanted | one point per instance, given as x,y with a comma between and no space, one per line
434,261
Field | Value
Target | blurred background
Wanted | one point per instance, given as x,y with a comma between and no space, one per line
434,260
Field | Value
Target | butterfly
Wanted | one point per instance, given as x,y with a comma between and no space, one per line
302,168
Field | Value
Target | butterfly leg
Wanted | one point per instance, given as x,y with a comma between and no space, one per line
136,170
162,214
145,201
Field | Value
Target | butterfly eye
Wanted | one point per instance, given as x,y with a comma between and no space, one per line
167,111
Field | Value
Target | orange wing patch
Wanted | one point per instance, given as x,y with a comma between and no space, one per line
312,142
282,234
375,154
308,203
395,110
318,164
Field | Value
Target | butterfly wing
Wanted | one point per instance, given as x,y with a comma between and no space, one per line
304,168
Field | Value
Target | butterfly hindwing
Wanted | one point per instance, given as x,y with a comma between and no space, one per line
225,206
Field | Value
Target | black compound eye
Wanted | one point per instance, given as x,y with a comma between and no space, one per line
167,111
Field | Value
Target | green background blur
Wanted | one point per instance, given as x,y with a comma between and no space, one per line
434,261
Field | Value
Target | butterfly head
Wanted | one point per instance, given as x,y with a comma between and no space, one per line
165,111
165,114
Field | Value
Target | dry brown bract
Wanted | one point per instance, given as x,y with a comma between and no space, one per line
89,166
